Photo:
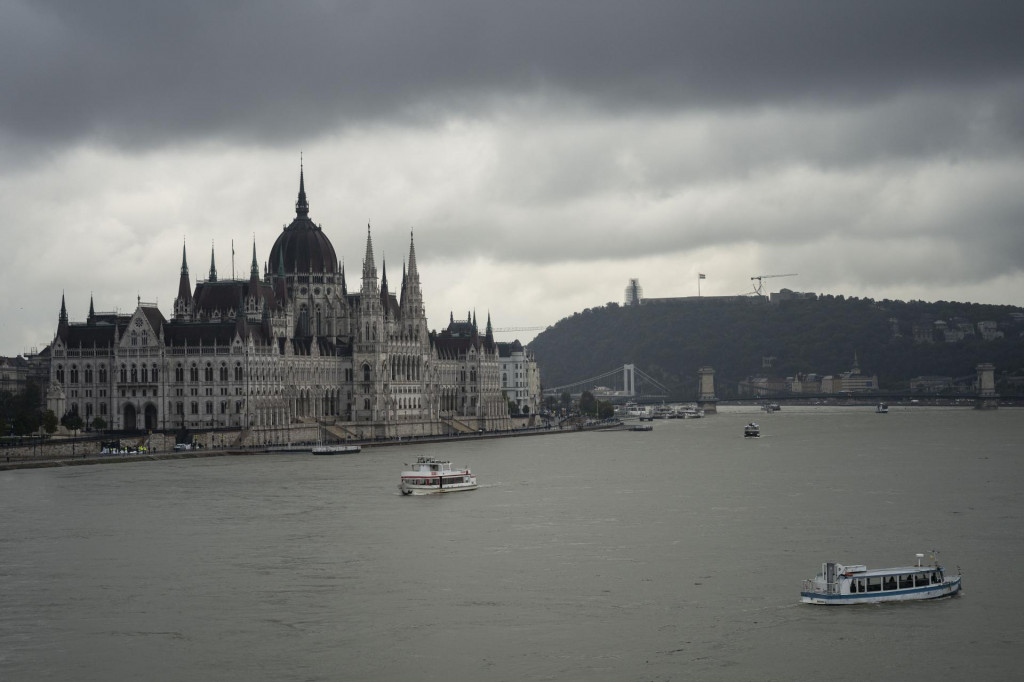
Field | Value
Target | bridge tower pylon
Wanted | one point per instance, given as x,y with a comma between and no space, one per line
987,398
629,380
706,398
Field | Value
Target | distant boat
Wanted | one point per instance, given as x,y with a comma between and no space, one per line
335,449
882,408
641,427
855,584
751,430
323,447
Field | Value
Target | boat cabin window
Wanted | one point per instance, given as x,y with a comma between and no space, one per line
889,583
906,581
874,584
921,580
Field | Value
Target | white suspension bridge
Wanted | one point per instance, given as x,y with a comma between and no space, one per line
627,382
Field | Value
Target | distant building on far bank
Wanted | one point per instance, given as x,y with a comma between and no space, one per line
520,378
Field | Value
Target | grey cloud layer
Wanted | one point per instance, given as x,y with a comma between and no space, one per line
138,73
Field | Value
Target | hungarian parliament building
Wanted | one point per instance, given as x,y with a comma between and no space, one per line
292,348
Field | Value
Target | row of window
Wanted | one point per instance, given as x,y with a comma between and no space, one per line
894,582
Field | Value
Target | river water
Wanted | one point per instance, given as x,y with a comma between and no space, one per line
671,555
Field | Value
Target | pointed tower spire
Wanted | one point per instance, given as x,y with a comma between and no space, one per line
344,286
213,265
92,310
490,330
254,270
301,206
384,296
183,303
63,319
414,274
184,261
369,269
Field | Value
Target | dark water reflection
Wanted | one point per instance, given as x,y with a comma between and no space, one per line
668,555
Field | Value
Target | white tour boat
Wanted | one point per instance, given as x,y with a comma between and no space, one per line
429,476
752,430
856,584
882,408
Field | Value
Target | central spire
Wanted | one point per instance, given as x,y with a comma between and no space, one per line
301,206
254,270
213,265
184,261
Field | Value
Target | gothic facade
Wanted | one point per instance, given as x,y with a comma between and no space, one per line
285,349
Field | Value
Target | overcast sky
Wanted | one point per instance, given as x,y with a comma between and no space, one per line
544,152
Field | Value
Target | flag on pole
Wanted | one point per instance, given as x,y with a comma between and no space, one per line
701,276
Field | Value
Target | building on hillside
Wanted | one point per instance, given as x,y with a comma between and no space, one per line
930,384
291,346
520,379
790,295
989,330
762,387
852,381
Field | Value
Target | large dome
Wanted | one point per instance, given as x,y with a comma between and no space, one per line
303,246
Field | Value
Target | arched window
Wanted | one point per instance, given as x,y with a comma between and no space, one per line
135,339
88,374
238,371
74,374
193,373
103,374
60,373
145,374
195,407
156,374
179,373
223,372
208,372
135,374
366,373
124,374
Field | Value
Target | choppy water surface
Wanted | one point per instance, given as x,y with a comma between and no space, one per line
670,555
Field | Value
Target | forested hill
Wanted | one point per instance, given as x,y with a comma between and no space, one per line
669,341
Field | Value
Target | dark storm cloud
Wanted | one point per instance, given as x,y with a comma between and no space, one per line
141,73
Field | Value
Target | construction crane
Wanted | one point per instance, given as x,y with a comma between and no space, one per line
758,289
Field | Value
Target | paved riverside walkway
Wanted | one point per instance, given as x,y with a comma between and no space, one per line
40,461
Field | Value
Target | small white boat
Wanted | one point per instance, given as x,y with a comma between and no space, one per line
752,430
335,449
691,412
771,407
856,584
429,476
882,408
641,427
